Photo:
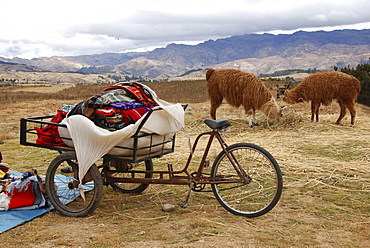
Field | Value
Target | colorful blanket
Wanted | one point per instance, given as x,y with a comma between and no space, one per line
119,105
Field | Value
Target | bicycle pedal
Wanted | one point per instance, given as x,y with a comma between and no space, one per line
66,170
183,204
206,163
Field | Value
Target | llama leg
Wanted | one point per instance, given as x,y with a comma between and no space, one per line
215,103
342,112
252,117
315,111
312,111
352,110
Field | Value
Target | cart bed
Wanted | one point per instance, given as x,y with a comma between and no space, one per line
133,154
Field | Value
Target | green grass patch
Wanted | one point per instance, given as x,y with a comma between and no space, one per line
345,152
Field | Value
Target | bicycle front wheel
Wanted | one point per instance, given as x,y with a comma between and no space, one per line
261,182
62,186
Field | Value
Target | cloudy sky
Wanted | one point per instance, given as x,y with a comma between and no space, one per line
44,28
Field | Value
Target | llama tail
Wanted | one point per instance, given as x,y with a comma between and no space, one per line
209,73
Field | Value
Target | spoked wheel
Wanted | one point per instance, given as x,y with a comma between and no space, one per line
124,169
62,185
262,186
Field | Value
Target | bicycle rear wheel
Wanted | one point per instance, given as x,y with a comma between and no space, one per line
62,186
262,186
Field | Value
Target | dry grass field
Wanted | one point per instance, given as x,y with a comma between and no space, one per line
325,201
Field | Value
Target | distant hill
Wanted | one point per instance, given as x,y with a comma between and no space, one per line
14,67
256,53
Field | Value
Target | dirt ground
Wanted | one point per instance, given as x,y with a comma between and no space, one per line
325,201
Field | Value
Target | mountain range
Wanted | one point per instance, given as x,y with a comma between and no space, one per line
256,53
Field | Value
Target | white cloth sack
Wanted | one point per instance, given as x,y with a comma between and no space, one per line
145,143
92,142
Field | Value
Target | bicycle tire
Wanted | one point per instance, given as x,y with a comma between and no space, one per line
62,186
264,183
133,188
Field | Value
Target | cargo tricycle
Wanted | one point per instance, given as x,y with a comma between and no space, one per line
245,178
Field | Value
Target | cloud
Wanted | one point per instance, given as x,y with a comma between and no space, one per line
319,18
39,28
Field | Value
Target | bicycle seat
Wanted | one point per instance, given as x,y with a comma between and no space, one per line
217,124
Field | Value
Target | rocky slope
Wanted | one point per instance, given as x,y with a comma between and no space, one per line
256,53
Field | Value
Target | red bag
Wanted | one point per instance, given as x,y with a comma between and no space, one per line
49,135
23,198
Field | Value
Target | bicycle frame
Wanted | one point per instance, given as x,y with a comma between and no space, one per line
183,176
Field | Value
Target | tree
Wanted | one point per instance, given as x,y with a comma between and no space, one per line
362,72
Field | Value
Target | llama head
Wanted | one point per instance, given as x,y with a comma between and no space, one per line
272,110
280,90
291,97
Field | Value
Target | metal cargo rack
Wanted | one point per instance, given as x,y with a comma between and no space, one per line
28,137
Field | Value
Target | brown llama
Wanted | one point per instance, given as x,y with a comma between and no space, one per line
323,88
241,88
280,90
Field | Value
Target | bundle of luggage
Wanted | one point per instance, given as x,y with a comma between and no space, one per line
114,108
26,192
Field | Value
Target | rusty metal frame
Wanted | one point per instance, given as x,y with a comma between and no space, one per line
180,177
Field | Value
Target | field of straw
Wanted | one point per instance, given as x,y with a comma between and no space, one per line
326,171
